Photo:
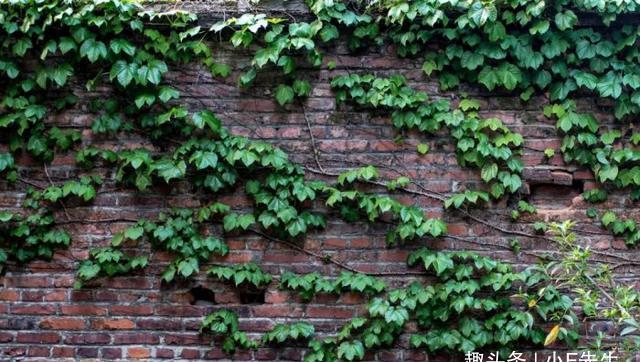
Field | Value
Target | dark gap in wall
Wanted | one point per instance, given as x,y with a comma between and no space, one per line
578,185
552,194
202,296
252,297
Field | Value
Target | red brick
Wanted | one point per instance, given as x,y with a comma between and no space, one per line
62,323
9,295
36,309
136,338
62,352
27,281
38,337
88,338
83,309
6,337
329,312
111,353
131,310
190,353
138,352
38,352
164,353
113,324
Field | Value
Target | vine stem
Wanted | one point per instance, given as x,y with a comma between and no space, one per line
316,153
326,258
432,195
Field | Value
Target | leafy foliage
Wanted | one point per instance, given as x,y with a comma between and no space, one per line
223,324
485,144
445,312
308,285
27,237
177,232
288,332
624,227
507,47
245,274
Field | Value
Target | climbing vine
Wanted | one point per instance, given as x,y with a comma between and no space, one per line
535,49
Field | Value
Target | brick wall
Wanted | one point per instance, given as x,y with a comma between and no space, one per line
43,318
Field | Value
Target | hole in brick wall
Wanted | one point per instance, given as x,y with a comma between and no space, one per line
578,185
562,195
252,297
202,296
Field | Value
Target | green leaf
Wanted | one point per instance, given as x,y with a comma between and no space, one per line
549,152
134,233
123,72
480,13
93,50
284,94
566,19
302,88
351,351
165,94
422,148
222,70
509,75
610,85
207,118
489,172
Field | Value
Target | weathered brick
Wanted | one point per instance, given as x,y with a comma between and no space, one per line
111,353
131,310
138,352
38,337
113,324
83,309
62,323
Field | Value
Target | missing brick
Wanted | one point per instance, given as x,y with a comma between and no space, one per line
252,297
202,296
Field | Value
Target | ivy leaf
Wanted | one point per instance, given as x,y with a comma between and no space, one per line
208,118
222,70
93,50
297,227
302,88
489,172
587,80
608,172
134,233
422,148
351,350
488,77
123,72
169,170
165,94
610,85
509,75
585,50
206,159
144,98
479,13
284,94
471,60
549,152
539,27
560,90
565,19
122,46
61,73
